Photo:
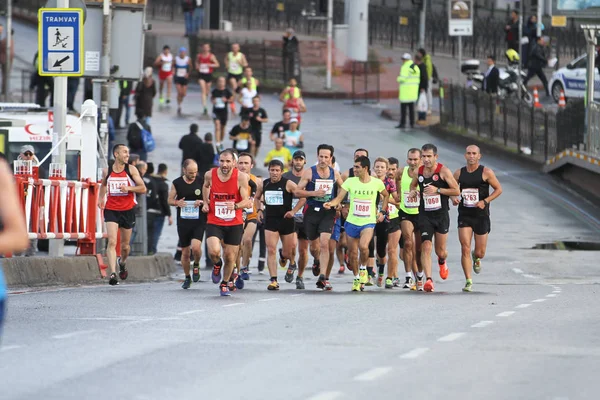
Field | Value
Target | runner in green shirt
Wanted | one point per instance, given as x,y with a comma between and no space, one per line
363,191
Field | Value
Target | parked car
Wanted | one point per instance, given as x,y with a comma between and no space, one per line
571,79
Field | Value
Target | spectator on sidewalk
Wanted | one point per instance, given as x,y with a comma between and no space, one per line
491,78
145,91
125,87
290,54
423,103
43,85
205,154
134,138
529,32
193,13
408,89
158,208
512,31
189,143
429,69
537,62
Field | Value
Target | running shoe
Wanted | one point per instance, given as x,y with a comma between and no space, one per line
231,286
429,287
224,290
216,273
274,285
123,274
476,263
408,282
321,282
389,284
356,285
179,111
299,283
316,268
168,101
289,275
443,269
328,286
342,269
113,279
369,281
363,276
396,282
239,282
187,283
282,260
380,281
468,286
245,273
161,100
196,273
205,111
420,284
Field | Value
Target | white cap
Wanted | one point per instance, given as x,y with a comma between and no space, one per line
407,56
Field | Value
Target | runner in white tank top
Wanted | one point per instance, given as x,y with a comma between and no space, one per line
182,71
164,63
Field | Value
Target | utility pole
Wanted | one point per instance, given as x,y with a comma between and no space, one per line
8,65
540,7
422,23
329,43
590,32
105,72
519,78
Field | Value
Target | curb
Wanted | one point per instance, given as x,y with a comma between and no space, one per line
53,271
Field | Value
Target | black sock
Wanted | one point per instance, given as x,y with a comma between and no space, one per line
370,271
188,277
441,260
223,283
429,279
273,279
380,268
219,263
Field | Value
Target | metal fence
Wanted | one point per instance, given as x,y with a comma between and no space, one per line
595,127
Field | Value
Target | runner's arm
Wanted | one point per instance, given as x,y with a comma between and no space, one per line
244,193
301,187
215,62
384,202
453,190
258,197
140,186
490,177
455,199
103,190
339,179
301,105
394,199
13,237
244,61
336,202
206,190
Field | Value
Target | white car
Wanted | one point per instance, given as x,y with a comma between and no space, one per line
572,79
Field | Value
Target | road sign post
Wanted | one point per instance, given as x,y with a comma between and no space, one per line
460,22
60,41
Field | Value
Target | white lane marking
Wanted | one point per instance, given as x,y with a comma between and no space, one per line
72,334
505,314
551,295
482,324
270,299
233,304
373,374
517,271
414,353
326,396
297,294
451,337
539,301
524,305
528,276
190,312
8,348
556,291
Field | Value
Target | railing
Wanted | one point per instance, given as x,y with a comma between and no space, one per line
594,145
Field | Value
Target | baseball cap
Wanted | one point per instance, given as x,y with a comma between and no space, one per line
182,49
294,120
27,148
299,154
406,56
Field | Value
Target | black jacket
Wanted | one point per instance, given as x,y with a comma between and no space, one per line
134,135
537,58
159,201
189,144
205,154
424,79
491,80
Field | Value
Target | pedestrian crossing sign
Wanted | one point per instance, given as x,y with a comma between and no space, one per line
60,42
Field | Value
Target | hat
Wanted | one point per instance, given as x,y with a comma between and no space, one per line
182,49
407,56
294,120
27,148
299,154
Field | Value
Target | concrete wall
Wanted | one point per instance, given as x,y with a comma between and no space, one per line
47,271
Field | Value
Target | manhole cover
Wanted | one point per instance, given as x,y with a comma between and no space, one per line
583,246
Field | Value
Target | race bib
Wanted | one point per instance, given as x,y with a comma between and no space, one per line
166,67
432,203
290,142
181,72
189,211
222,212
470,197
324,184
241,144
410,203
392,209
219,103
274,198
362,208
115,185
204,69
294,204
234,66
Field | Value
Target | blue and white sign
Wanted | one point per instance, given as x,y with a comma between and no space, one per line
60,42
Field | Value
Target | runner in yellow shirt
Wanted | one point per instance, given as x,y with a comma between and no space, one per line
279,153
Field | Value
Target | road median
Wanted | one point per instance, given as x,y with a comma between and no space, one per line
52,271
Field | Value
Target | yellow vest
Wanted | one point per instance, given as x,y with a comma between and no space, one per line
296,94
409,79
253,85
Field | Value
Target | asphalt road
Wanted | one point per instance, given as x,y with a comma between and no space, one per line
528,331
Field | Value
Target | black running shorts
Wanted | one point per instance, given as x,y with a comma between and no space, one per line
125,219
188,232
480,225
230,235
285,226
317,222
429,225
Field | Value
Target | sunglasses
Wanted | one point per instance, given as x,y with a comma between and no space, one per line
28,154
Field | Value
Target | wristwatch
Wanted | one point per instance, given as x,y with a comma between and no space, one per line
439,191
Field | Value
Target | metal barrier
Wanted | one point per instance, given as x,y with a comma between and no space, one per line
594,128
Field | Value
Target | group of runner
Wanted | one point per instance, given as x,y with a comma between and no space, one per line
238,86
378,207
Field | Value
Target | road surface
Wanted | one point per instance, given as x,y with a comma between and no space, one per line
528,331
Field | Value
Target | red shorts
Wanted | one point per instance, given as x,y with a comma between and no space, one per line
162,75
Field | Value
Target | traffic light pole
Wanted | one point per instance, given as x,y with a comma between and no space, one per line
329,44
105,72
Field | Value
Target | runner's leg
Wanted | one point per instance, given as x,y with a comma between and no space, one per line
111,249
465,236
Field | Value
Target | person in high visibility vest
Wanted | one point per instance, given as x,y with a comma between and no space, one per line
408,90
235,62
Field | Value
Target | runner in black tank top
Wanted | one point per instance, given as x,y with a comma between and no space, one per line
277,193
436,184
474,210
186,195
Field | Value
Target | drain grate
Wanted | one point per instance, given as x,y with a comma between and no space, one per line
581,246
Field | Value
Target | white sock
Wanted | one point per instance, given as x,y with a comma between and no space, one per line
409,275
356,277
420,275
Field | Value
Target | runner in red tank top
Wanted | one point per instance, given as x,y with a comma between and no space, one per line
206,62
296,106
117,198
225,195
